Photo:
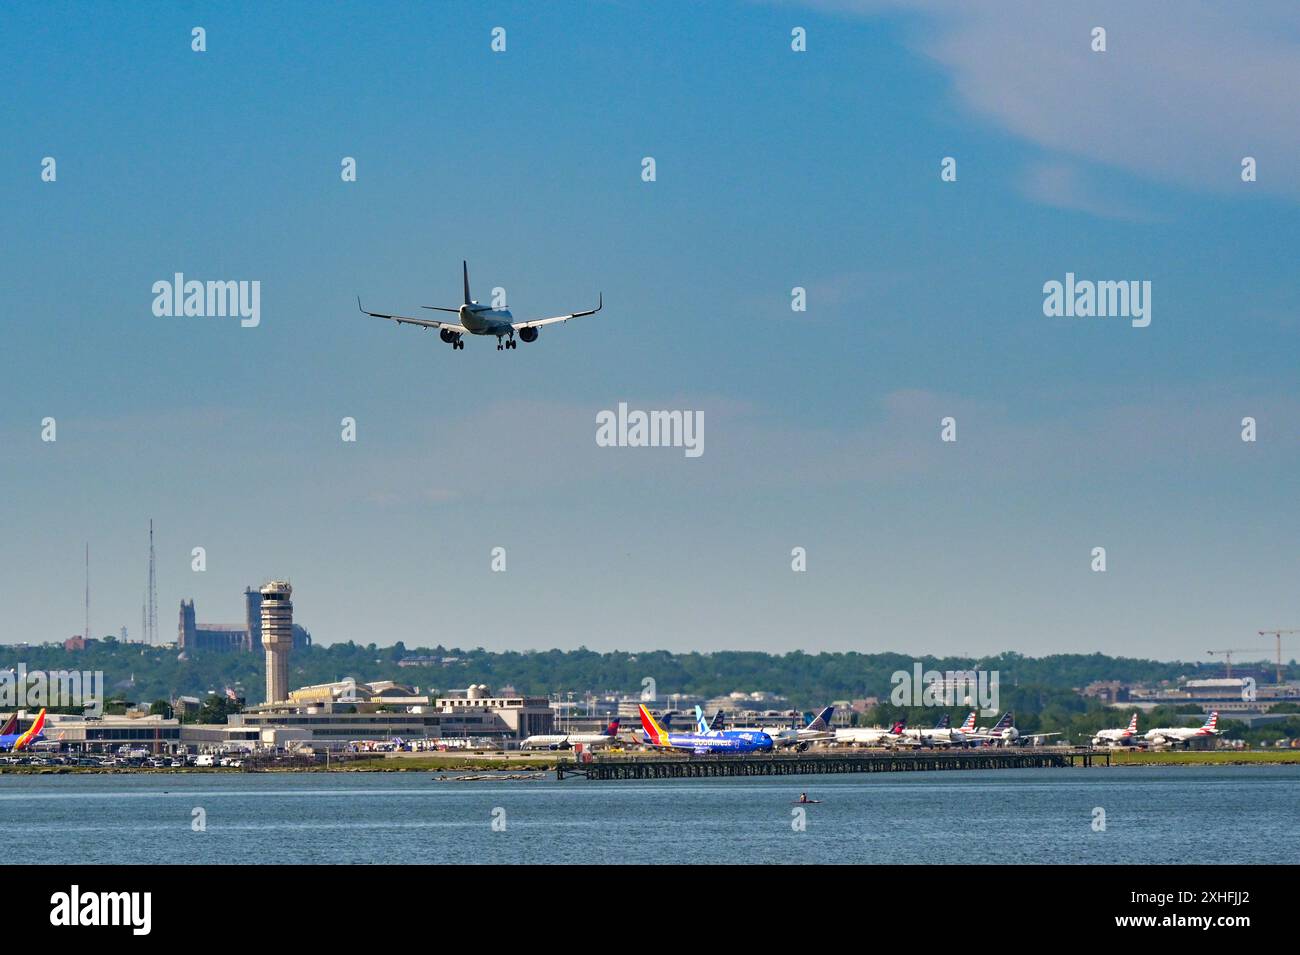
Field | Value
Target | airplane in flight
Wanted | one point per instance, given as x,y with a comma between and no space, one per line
476,319
568,740
721,741
13,741
1183,735
1118,737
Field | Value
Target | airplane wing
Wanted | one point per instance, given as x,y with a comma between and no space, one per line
406,320
539,322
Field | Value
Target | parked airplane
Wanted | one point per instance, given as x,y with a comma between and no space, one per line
15,741
818,730
567,740
869,736
703,726
942,734
1176,735
723,741
1004,733
1118,737
476,319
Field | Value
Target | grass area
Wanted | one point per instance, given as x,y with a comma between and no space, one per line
448,762
1218,757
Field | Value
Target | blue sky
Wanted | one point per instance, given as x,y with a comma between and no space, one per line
775,169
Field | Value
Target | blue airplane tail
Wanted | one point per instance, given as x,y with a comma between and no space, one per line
822,721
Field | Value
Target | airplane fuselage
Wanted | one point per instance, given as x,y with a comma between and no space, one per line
482,320
727,741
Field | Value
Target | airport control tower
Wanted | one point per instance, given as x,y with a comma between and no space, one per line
277,637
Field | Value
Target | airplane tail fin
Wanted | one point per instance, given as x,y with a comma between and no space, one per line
1007,720
654,733
465,266
701,725
969,724
1133,723
898,727
612,728
822,721
1211,723
717,721
10,727
944,722
32,733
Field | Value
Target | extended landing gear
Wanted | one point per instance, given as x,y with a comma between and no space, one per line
457,344
508,343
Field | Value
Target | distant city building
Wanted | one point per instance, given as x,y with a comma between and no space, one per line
336,715
230,637
1106,691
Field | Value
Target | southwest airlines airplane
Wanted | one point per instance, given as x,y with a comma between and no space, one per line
476,319
14,741
718,741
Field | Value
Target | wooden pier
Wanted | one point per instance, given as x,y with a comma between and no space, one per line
819,763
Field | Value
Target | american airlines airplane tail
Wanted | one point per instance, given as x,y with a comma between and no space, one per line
968,726
1133,725
1211,724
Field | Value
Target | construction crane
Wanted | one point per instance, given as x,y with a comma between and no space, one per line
1227,653
1278,635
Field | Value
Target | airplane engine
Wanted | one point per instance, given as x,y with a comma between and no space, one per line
528,334
447,335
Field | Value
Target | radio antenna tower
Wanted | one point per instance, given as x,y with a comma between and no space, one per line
151,631
86,633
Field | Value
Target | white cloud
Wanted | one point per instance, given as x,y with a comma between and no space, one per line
1184,91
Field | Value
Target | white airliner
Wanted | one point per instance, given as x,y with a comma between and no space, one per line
568,740
1118,737
476,319
941,735
1174,735
868,736
818,730
1004,733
